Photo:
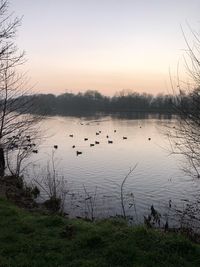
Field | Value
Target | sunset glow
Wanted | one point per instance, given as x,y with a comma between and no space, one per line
103,45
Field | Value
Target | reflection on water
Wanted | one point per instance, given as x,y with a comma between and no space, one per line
102,167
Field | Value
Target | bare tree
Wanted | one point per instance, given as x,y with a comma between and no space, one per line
185,135
15,122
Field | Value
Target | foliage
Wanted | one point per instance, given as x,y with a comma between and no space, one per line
33,239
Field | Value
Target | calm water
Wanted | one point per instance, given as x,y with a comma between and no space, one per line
101,169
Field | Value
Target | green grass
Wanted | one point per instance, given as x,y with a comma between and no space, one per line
32,239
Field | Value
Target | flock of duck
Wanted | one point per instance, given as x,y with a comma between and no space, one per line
13,142
21,142
109,141
95,142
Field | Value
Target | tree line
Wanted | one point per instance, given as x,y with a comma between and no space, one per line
94,101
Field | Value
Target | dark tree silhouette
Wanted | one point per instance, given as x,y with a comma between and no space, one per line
186,134
93,101
13,93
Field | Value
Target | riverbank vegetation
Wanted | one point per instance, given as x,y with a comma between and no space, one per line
36,239
33,235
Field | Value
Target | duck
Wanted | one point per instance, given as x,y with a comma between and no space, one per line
97,142
110,142
55,146
91,144
124,137
71,135
79,153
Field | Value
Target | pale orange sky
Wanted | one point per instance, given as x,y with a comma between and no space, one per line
106,45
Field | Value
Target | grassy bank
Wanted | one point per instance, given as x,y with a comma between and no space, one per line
33,239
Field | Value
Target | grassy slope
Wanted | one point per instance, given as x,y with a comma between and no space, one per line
28,239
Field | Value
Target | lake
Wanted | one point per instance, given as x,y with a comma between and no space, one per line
97,173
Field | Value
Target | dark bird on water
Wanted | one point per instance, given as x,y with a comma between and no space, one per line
73,146
55,146
97,143
79,153
97,133
91,144
110,142
35,151
85,139
124,137
149,138
71,135
107,136
115,131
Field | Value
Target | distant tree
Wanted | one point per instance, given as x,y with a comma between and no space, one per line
93,94
93,101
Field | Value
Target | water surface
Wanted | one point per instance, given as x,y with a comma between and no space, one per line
102,168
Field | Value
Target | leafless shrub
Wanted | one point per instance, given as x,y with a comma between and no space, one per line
188,215
122,197
90,203
53,187
185,135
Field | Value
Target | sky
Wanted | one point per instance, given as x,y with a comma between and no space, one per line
104,45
